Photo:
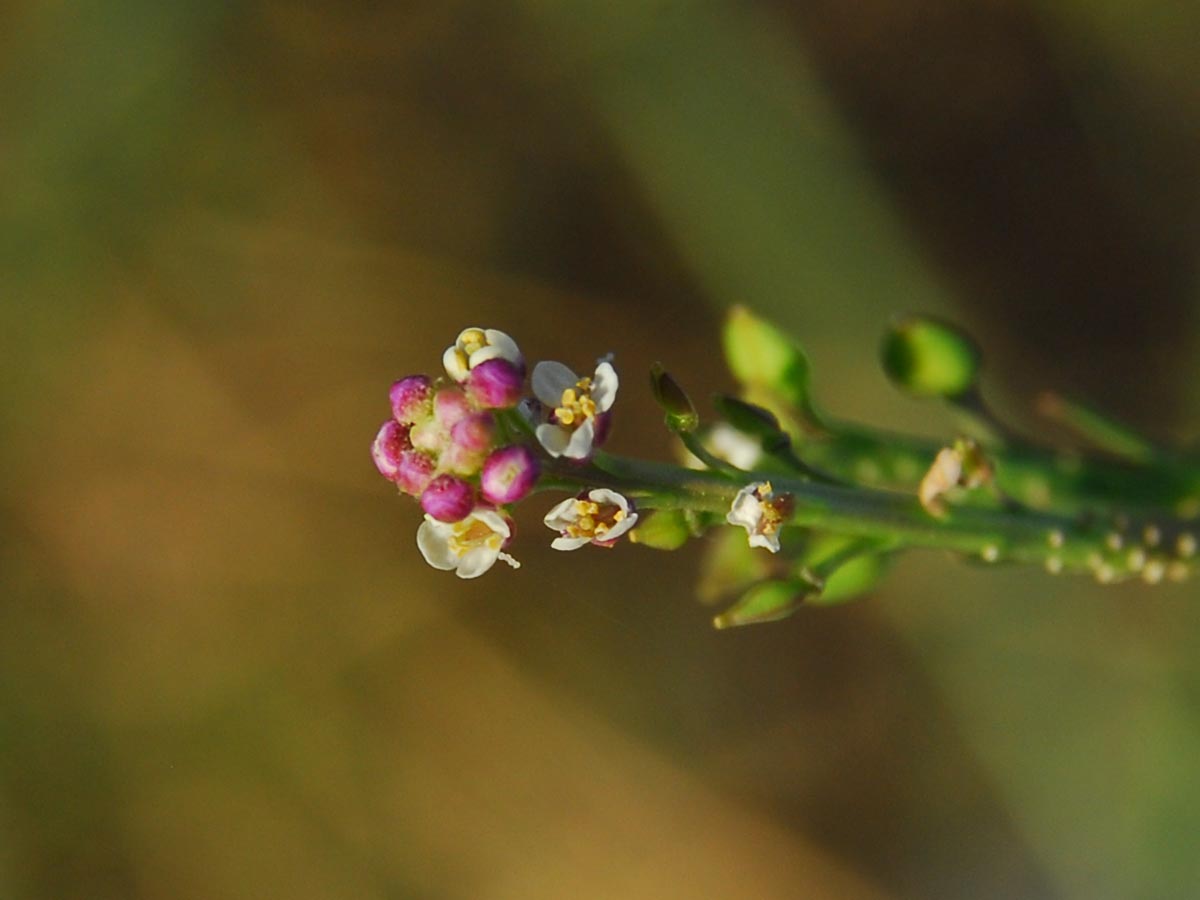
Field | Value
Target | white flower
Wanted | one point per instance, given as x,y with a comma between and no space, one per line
576,403
962,465
762,512
470,546
735,447
477,345
600,518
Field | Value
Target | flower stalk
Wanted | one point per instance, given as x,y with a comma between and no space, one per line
824,504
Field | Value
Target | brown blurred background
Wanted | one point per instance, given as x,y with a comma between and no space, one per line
225,671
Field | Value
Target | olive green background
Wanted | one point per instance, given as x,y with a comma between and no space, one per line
225,228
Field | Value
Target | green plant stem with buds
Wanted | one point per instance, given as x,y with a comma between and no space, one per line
843,493
824,504
1058,542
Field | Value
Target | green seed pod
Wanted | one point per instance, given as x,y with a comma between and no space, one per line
930,358
765,602
852,579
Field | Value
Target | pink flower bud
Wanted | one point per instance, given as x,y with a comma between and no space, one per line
496,384
509,474
450,405
474,432
414,472
390,445
429,436
410,399
448,499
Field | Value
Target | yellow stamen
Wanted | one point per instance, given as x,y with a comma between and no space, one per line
576,405
467,537
473,340
594,520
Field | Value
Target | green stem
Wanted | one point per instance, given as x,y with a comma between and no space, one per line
1059,542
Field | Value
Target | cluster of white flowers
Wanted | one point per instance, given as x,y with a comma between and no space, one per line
570,420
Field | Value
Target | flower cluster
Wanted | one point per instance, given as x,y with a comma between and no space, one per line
831,502
472,443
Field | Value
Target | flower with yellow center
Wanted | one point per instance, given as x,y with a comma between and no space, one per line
470,547
577,404
598,517
477,345
762,512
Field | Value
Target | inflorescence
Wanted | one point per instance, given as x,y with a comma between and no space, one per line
831,503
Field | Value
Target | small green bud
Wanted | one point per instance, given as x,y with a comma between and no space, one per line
666,529
930,358
753,420
768,601
681,414
852,579
761,356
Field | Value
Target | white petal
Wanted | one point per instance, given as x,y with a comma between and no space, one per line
433,540
477,560
554,438
608,498
454,364
549,381
621,527
506,345
562,515
580,444
483,354
604,386
569,543
746,510
765,541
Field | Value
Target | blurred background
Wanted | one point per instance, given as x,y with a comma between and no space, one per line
225,671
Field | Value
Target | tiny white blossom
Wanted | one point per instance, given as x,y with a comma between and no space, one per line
477,345
470,547
961,465
576,403
600,517
762,512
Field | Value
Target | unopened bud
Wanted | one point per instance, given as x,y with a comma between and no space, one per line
450,405
752,420
448,499
930,358
681,414
495,384
410,399
390,444
414,472
509,474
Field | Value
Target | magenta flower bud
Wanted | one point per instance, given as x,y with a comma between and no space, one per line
410,399
473,433
509,474
448,499
496,384
450,405
390,445
414,472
